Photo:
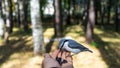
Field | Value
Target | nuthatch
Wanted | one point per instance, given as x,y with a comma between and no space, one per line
72,46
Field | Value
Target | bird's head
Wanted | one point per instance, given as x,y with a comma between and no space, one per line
62,42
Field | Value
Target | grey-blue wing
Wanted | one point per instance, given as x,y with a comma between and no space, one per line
74,44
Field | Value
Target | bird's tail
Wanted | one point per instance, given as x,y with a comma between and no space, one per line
89,50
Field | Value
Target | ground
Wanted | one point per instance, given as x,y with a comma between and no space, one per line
19,52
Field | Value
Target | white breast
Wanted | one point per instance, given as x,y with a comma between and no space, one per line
70,49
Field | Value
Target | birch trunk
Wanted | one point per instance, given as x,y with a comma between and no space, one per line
36,27
2,24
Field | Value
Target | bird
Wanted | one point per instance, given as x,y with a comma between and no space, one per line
72,46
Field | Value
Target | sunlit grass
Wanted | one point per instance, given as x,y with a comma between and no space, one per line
106,36
48,33
16,29
1,41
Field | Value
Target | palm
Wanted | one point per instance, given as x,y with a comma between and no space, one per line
64,62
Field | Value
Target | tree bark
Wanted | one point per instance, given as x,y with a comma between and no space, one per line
37,27
18,14
116,17
11,16
108,9
90,23
102,12
97,7
1,8
8,22
25,21
68,21
57,16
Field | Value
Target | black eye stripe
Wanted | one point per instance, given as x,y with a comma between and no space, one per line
63,44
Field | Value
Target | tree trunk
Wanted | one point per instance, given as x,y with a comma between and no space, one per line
2,24
116,17
102,12
68,21
97,9
25,21
18,14
8,22
57,16
1,9
11,16
108,9
37,27
90,22
21,12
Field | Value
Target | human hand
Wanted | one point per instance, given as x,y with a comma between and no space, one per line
51,62
65,59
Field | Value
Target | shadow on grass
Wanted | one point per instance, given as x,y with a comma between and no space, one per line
15,46
110,52
49,45
107,28
21,32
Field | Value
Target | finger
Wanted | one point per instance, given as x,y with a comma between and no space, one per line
55,54
60,54
47,56
59,57
67,54
64,55
69,59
